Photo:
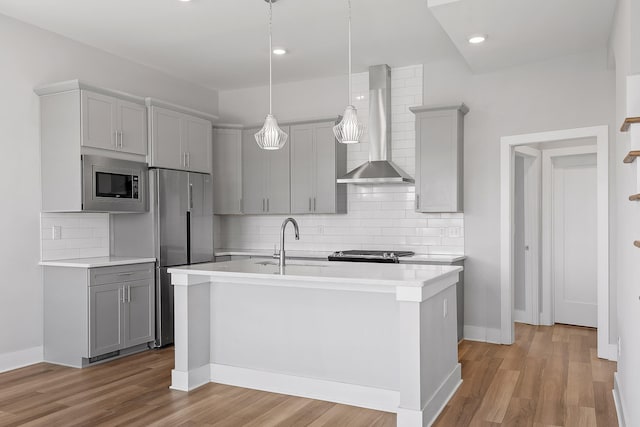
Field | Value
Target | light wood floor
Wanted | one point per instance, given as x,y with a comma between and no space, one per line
549,377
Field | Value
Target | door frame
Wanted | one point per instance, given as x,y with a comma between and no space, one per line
507,145
532,223
547,315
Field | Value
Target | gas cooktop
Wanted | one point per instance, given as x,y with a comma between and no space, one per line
369,256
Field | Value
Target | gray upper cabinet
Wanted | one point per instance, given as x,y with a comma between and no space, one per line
439,158
227,171
113,124
179,140
265,177
317,160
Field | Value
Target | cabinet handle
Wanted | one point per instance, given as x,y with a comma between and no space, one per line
267,204
120,138
309,204
240,205
417,201
188,159
314,204
128,293
115,142
262,205
122,299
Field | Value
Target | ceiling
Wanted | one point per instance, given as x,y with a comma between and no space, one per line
522,31
223,43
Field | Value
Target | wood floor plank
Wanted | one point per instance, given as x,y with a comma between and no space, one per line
520,413
579,416
496,400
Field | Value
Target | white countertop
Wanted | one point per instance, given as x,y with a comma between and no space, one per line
384,275
417,258
106,261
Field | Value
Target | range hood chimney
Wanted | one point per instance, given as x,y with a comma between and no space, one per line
379,169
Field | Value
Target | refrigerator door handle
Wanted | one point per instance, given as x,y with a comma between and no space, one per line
190,196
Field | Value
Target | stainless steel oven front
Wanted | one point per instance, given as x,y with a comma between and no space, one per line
113,185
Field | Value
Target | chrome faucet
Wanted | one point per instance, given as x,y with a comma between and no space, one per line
284,225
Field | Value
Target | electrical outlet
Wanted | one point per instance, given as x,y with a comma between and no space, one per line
453,232
56,232
445,308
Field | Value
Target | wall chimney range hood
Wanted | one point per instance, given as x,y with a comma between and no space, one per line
379,169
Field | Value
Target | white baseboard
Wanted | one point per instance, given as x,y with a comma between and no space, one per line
187,381
331,391
609,352
19,359
617,398
479,333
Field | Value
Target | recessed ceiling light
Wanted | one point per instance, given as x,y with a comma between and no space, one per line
477,38
279,51
184,1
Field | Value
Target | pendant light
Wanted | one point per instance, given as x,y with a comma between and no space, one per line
349,130
270,137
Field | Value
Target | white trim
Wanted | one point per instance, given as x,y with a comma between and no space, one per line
21,358
601,133
479,333
190,380
312,388
617,399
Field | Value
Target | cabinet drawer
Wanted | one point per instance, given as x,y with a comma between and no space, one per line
121,273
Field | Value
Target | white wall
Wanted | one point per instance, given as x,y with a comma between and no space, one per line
567,92
30,57
625,46
379,217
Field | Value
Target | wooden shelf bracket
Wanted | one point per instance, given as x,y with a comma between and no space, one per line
636,243
628,122
631,156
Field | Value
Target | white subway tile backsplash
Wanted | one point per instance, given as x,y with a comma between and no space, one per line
380,217
82,235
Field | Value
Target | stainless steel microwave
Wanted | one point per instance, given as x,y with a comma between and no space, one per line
113,185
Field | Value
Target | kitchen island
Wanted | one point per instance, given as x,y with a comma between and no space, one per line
376,336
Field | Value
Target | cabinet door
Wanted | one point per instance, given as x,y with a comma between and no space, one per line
105,319
302,168
253,175
132,123
437,161
325,169
278,191
139,325
98,120
227,171
197,143
166,139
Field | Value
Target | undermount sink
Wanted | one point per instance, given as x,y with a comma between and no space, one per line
290,263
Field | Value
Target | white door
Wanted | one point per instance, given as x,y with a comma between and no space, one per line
98,120
132,124
197,144
574,225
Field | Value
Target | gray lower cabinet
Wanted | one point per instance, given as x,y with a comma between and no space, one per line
265,177
439,157
317,160
91,314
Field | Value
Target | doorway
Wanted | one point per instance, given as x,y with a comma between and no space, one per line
546,145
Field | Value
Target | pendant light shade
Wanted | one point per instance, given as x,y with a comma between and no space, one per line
349,130
270,137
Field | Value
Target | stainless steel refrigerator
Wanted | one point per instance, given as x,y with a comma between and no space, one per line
183,224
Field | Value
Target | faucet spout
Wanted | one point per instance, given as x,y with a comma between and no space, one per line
297,234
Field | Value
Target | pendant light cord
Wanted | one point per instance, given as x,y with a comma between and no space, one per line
349,100
270,53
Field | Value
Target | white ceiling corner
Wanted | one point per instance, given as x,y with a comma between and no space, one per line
523,31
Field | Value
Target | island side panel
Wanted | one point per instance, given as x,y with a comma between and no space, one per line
342,336
192,314
429,368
